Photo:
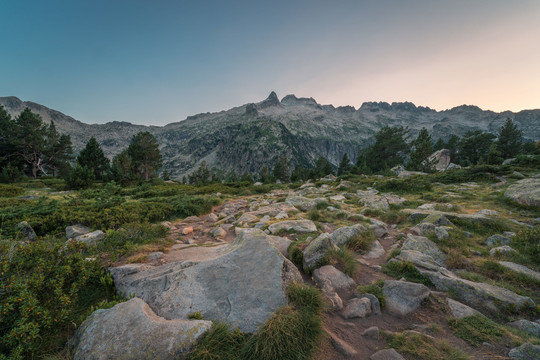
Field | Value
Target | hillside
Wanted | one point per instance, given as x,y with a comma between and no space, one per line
250,136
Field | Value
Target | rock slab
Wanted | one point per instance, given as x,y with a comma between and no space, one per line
131,330
403,297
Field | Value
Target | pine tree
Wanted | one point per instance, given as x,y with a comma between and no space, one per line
122,166
344,166
92,157
389,148
322,168
281,169
510,140
418,157
474,147
145,155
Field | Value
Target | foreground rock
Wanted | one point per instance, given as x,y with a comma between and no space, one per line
527,326
459,310
525,192
131,330
244,286
26,230
403,297
317,252
344,234
386,354
521,269
332,277
76,230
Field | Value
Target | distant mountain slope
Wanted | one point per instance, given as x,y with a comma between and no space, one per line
248,137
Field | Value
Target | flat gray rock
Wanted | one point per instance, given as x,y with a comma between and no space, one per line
131,330
525,192
530,327
301,226
244,286
521,269
403,297
501,250
357,308
425,246
460,310
92,238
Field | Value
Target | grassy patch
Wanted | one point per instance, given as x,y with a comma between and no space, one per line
403,269
478,329
527,241
220,342
344,259
414,184
419,346
361,242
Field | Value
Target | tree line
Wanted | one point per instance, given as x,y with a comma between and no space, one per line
30,147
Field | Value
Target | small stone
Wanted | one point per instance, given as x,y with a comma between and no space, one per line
501,250
212,218
386,354
155,256
187,230
371,333
76,230
460,310
357,308
526,351
441,233
497,239
375,304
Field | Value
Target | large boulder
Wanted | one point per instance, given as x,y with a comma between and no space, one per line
530,327
131,330
439,160
525,192
459,310
403,297
318,251
244,286
294,225
521,269
342,235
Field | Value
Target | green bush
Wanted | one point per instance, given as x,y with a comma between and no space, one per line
403,269
10,190
80,177
124,240
414,184
45,292
480,173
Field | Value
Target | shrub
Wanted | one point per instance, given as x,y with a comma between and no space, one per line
414,184
10,190
361,242
404,269
80,177
125,240
46,290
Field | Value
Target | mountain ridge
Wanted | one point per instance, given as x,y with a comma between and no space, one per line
253,135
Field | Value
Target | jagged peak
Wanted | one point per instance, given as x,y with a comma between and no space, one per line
465,108
271,100
291,99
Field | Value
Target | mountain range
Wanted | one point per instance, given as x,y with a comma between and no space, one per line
254,135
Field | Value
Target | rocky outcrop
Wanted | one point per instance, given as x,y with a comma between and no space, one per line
525,192
317,252
342,235
76,230
294,225
526,351
439,160
244,286
26,231
131,330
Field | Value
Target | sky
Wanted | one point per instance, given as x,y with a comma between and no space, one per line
157,62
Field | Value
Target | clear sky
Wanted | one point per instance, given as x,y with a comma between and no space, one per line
155,62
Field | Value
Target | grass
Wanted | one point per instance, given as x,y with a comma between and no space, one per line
478,329
345,259
292,333
361,243
374,289
404,269
419,346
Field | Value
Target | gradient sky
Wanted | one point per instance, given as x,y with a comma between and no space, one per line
155,62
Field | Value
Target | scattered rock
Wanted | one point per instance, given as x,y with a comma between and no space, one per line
280,243
501,250
301,203
525,192
459,310
371,333
375,304
488,212
521,269
341,346
378,228
386,354
191,219
131,330
497,239
337,198
317,251
375,252
437,219
357,308
439,160
26,230
427,207
187,230
295,225
335,279
219,233
342,235
211,218
92,238
405,174
441,233
403,297
248,218
518,175
425,246
526,351
76,230
527,326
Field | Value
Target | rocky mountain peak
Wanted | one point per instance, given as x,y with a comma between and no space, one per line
293,100
271,100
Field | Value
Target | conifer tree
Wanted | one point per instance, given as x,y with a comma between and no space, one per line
510,140
92,157
345,165
281,169
422,149
145,155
